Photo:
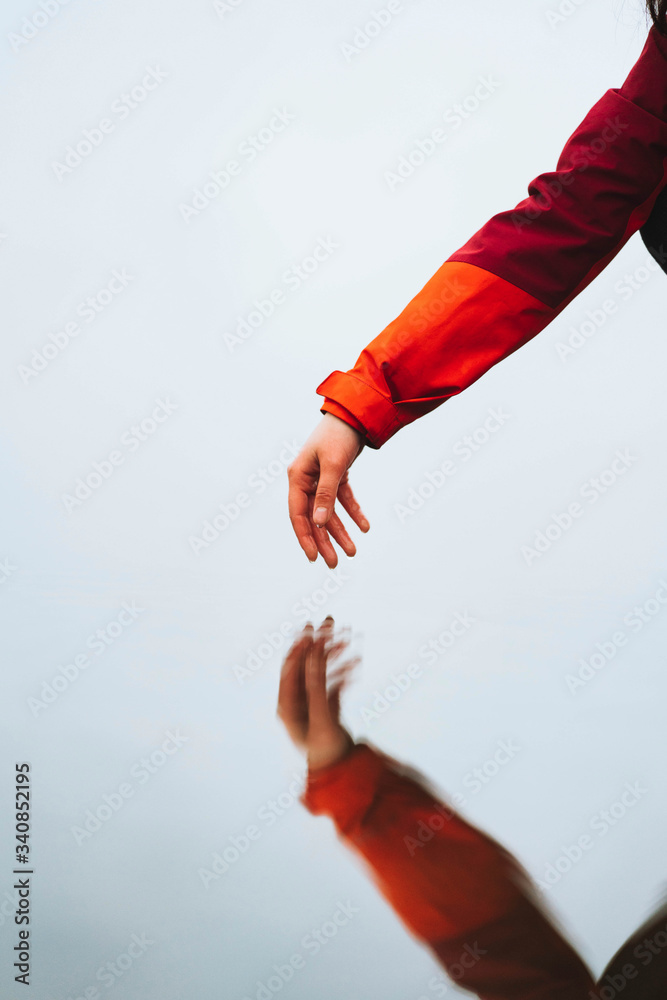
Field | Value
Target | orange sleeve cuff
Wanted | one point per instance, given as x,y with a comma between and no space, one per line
346,789
374,413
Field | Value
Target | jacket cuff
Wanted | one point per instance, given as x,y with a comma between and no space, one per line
345,790
374,412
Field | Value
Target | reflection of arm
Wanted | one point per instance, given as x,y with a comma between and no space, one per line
454,887
524,265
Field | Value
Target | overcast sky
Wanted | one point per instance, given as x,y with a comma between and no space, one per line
163,336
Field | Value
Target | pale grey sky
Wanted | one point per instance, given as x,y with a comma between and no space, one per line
129,276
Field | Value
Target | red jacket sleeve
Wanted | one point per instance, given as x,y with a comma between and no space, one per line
455,888
521,269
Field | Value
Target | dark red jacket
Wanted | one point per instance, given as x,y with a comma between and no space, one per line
521,269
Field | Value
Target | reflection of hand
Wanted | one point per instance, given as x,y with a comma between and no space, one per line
317,477
309,709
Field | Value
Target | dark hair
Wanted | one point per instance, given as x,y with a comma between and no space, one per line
658,11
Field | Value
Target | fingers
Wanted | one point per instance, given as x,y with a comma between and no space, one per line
323,542
334,701
303,531
316,479
316,686
322,682
314,540
342,674
310,692
336,529
336,688
349,503
334,651
301,486
332,471
292,697
324,547
338,532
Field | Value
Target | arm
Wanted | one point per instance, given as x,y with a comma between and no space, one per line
452,886
499,290
524,266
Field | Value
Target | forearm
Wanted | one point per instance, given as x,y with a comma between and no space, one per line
453,886
525,265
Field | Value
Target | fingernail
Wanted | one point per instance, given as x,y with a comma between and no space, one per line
320,516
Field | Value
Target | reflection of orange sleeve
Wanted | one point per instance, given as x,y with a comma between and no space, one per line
452,886
521,269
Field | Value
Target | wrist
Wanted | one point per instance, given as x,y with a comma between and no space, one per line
338,421
319,761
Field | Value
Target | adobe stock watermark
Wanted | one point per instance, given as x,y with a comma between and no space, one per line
9,905
625,288
550,190
474,781
256,484
35,22
97,642
88,310
248,151
468,959
130,441
366,33
223,7
123,106
605,651
463,451
311,943
304,609
430,651
615,982
592,490
292,280
7,569
438,306
564,10
141,772
112,971
423,149
600,824
239,844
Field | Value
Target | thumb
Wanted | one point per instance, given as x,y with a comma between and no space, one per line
331,474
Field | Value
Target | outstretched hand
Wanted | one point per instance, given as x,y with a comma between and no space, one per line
317,478
308,707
